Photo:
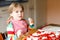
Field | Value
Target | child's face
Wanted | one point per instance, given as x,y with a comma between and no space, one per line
17,13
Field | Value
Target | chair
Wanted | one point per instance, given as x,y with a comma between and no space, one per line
1,38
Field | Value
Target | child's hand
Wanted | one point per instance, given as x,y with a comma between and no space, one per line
30,21
19,33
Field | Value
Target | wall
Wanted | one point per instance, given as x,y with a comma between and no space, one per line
3,18
41,12
53,11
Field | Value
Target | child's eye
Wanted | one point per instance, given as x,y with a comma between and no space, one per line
16,11
21,11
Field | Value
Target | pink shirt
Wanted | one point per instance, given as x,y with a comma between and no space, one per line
20,25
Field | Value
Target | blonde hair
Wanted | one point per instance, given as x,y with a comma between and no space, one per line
15,4
10,9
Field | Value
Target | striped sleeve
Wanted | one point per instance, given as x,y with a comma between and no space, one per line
10,29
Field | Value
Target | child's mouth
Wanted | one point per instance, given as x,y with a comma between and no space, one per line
20,16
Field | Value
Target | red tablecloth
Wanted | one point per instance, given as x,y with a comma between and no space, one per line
44,35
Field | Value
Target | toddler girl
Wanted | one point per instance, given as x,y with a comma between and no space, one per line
16,24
